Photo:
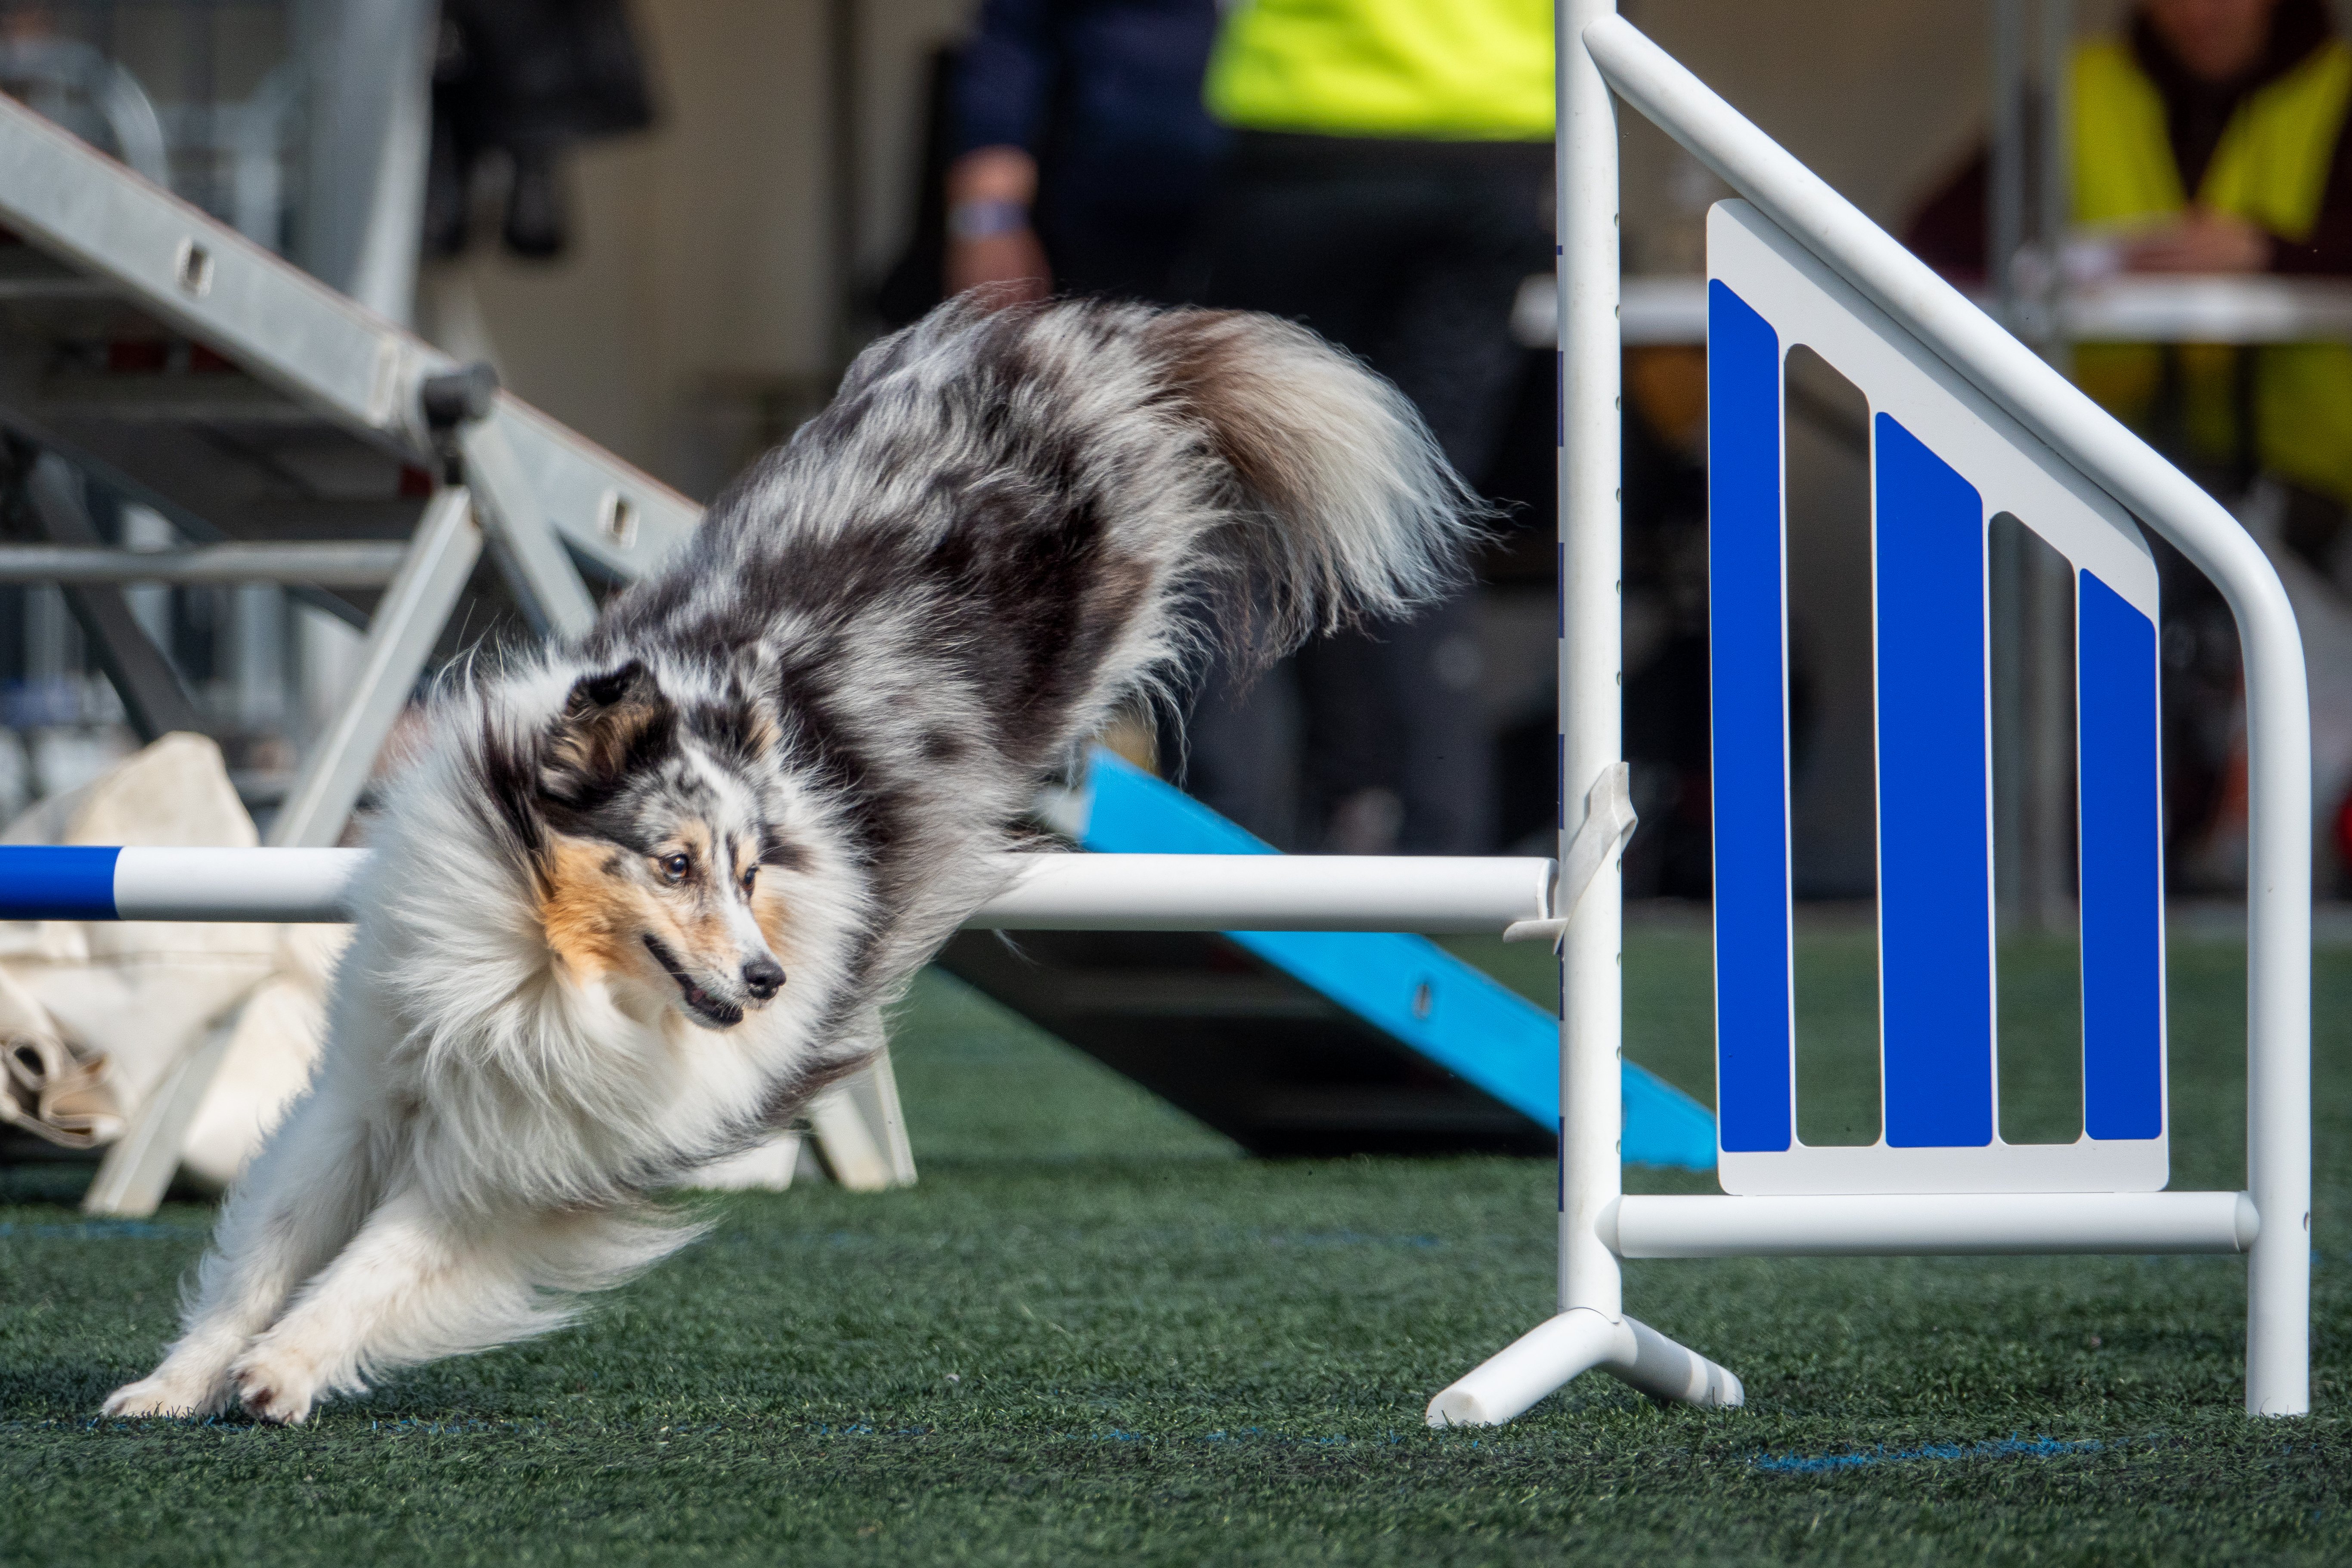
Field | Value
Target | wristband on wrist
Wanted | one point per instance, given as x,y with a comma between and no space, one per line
986,218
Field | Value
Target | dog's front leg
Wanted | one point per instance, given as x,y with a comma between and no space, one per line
304,1195
372,1307
415,1284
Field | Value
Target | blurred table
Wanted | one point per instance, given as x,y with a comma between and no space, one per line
2136,310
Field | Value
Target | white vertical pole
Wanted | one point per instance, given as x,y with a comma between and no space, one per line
2050,700
2057,191
2005,191
1590,650
2052,791
2278,1004
369,69
1590,1329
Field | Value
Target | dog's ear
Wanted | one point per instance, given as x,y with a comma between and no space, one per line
611,724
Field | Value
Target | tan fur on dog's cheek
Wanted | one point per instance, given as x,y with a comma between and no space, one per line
587,910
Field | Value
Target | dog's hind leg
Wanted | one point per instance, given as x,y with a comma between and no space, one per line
416,1284
303,1197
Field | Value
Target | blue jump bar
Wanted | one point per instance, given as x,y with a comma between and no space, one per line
58,883
175,882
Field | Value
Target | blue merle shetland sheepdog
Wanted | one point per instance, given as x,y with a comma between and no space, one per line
641,896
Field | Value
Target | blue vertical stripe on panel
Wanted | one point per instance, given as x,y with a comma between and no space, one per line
57,882
2123,866
1748,694
1935,892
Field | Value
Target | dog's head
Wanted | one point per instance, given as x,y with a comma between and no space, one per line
658,845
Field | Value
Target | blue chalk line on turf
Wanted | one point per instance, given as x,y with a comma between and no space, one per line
99,1230
2000,1449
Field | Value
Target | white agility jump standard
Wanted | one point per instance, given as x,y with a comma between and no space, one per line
1965,423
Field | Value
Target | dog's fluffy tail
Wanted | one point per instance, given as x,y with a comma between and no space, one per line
1337,502
1048,506
1215,450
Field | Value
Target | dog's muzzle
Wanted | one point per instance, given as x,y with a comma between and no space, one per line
763,978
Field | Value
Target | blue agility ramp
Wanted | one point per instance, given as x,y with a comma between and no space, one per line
1303,1042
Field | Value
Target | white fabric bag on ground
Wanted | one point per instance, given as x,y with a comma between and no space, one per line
144,994
56,1092
271,1049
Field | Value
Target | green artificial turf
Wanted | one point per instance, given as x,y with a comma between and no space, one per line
1094,1333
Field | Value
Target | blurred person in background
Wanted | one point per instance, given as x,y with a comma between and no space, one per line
1389,184
2210,138
528,80
1079,151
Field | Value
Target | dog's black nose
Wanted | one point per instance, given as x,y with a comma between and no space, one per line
763,977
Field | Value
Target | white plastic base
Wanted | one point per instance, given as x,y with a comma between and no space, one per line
1549,1355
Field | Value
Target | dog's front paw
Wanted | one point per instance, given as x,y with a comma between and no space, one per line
167,1394
274,1386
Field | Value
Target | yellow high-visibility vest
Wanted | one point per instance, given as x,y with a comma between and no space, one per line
2270,169
1447,71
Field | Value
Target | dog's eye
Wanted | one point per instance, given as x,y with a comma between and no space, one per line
751,875
674,868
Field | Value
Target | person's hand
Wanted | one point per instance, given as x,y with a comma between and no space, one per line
991,244
1011,264
2202,241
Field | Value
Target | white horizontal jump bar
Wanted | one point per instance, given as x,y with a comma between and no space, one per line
1268,892
1047,892
303,886
1915,1224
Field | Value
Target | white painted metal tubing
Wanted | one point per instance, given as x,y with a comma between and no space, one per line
356,563
1916,1225
401,634
1664,1370
274,885
1590,1329
1046,892
1268,892
1577,1341
1591,650
2278,725
2128,308
1510,1381
288,328
547,585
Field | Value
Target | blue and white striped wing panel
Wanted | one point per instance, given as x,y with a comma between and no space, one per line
1944,461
